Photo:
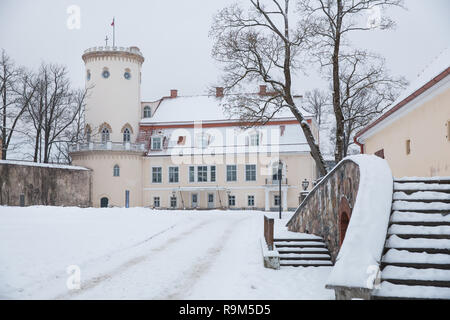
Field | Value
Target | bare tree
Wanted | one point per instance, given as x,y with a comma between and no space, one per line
333,21
259,45
16,89
316,103
53,112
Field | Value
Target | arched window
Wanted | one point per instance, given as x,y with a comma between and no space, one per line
116,171
105,135
147,112
88,134
126,135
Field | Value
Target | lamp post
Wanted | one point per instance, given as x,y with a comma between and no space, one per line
305,185
304,194
280,172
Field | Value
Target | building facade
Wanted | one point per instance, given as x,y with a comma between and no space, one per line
184,152
414,135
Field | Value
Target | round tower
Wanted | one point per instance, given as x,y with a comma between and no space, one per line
113,106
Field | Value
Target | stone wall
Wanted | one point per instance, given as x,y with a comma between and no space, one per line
44,185
322,211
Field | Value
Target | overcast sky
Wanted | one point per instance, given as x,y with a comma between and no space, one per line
173,36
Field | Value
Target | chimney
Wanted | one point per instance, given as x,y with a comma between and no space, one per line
219,92
262,90
173,93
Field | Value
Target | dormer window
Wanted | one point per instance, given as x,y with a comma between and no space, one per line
156,143
147,112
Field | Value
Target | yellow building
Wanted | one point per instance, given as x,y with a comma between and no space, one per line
183,151
414,135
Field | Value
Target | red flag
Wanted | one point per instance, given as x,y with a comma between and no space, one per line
112,24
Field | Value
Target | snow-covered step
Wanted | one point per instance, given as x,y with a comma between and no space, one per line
424,179
302,250
421,186
301,256
419,244
305,263
395,291
420,260
421,206
423,196
439,276
407,231
299,244
406,216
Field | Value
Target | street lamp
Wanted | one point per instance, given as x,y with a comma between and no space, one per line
280,173
305,185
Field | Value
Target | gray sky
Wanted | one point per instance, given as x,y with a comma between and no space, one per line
173,36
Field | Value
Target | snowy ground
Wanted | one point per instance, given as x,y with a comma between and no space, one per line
143,254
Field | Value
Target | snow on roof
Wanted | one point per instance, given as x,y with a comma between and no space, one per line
197,108
42,165
437,66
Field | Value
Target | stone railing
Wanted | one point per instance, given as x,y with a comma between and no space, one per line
108,146
272,182
326,210
114,49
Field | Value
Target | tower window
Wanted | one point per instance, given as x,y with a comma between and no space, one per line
147,112
88,134
408,147
88,75
105,135
127,75
116,171
126,135
105,74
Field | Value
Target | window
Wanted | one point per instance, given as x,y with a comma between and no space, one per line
105,74
213,173
157,175
191,174
380,153
173,175
156,202
250,172
254,139
275,176
173,202
127,75
194,200
88,135
202,141
147,112
408,147
105,135
88,75
251,201
156,143
231,173
116,171
202,174
231,201
126,135
277,200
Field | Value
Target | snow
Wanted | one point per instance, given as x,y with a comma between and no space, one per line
392,272
42,165
424,195
405,229
406,179
402,256
419,217
419,186
397,242
366,234
405,205
422,292
144,254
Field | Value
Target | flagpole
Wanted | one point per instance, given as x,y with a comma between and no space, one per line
114,32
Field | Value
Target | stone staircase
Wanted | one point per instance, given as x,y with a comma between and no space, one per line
416,260
302,251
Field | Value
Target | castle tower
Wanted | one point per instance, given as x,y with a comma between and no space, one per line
112,115
113,107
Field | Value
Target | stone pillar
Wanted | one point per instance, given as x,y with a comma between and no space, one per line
267,200
284,201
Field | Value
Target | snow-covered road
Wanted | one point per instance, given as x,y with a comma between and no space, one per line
143,254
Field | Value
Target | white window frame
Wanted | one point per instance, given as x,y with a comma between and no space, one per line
275,196
154,202
231,196
205,175
160,143
189,174
246,169
116,166
161,175
254,200
254,139
149,109
177,171
235,172
210,173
